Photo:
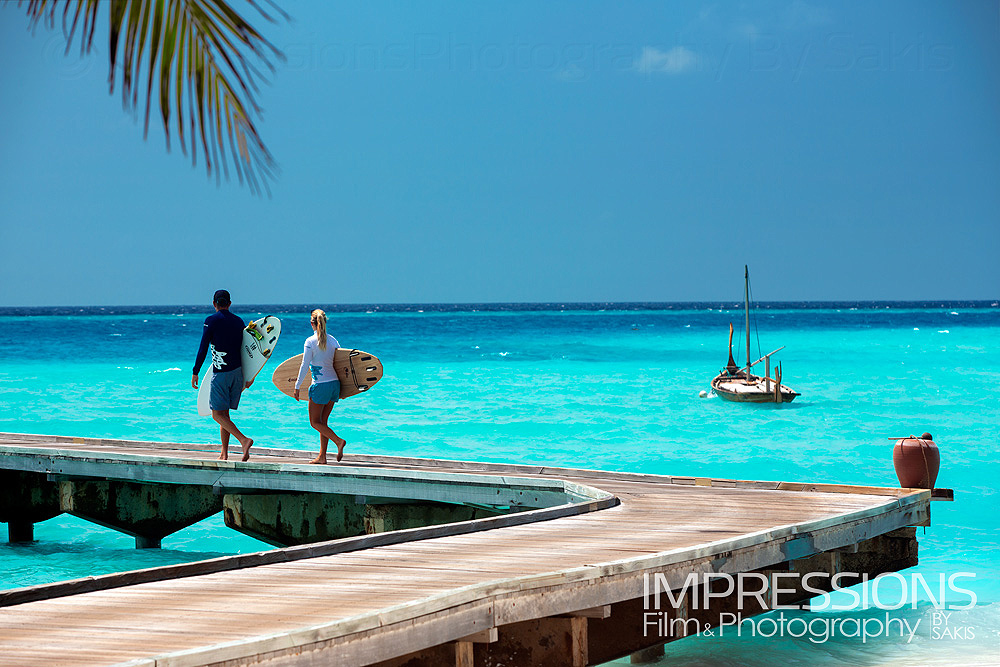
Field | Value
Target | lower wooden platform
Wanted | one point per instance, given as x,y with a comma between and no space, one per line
456,594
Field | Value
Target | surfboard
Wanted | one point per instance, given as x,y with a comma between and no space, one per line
259,339
357,371
205,388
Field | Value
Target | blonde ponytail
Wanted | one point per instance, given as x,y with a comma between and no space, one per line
318,317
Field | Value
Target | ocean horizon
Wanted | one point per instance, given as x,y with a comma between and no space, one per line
502,306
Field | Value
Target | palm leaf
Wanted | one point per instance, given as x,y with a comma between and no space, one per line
200,57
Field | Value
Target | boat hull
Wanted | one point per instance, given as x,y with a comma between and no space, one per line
739,390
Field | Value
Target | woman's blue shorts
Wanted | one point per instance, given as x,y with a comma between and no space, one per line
324,392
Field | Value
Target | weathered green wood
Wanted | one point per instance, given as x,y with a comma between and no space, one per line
147,511
294,518
26,498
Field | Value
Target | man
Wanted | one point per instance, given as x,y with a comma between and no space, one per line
224,332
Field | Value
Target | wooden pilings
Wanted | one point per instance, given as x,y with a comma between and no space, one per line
151,511
286,519
26,498
147,511
545,642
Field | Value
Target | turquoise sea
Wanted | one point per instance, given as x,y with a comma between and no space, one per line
612,386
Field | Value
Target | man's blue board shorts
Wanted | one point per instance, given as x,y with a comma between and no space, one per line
226,390
324,392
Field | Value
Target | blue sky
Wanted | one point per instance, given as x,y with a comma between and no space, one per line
525,151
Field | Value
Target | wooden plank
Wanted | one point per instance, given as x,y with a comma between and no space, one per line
604,611
487,636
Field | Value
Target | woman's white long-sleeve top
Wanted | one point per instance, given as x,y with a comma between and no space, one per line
317,361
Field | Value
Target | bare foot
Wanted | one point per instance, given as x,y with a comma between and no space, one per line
319,459
246,449
223,457
340,449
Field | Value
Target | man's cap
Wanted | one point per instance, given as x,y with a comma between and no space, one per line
221,296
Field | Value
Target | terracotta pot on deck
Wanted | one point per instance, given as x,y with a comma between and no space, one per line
917,461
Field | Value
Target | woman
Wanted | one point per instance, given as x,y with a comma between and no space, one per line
317,356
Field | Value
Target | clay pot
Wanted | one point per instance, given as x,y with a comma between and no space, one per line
917,461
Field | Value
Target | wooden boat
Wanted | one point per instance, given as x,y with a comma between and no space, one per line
739,384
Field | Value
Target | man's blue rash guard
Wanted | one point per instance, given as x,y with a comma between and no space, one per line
225,332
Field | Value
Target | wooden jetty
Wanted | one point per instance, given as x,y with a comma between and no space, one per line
556,572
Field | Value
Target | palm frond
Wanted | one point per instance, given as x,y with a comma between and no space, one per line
201,57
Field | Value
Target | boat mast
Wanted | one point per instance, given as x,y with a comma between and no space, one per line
746,301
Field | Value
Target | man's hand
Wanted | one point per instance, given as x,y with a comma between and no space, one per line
296,394
247,386
194,381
